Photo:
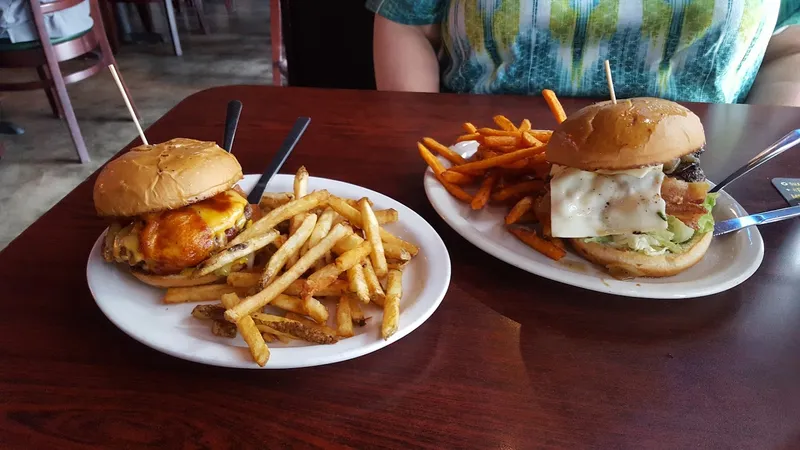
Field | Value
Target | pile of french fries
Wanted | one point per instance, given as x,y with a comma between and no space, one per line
509,168
311,252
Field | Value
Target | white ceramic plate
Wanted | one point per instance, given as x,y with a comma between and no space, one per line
137,309
731,259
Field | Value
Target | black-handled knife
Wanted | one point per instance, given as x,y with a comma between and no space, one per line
231,123
291,140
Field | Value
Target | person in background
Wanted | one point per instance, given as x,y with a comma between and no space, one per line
717,51
16,22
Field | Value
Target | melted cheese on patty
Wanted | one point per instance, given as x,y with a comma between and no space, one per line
603,203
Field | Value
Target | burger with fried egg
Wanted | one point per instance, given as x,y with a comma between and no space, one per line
172,205
626,188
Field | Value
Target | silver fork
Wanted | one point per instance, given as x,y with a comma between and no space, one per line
785,143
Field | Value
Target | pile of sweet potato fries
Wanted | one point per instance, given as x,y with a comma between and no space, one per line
509,168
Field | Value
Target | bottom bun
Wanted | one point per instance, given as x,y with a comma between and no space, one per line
168,281
628,263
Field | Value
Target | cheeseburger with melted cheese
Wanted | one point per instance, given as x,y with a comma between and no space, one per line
626,187
173,205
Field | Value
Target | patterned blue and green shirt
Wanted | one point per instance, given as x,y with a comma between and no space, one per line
689,50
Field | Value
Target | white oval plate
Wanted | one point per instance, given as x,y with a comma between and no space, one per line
136,308
731,259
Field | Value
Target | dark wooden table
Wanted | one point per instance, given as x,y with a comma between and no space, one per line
510,360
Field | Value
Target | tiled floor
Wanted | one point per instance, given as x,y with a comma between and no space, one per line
40,167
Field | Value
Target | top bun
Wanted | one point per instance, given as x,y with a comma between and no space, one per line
631,133
164,176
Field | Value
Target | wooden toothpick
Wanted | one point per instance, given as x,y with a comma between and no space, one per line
128,103
610,83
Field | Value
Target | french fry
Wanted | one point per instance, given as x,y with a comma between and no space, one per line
394,251
291,247
272,200
280,214
354,216
344,320
274,334
330,273
243,279
483,194
525,125
523,188
446,152
238,251
391,307
209,312
268,337
335,289
300,191
554,105
358,284
372,232
280,284
468,137
321,229
293,304
469,128
539,244
222,328
397,265
327,331
503,122
202,293
250,334
296,328
385,216
356,313
519,210
497,160
354,203
376,294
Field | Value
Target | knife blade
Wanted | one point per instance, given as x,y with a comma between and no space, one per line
731,225
286,148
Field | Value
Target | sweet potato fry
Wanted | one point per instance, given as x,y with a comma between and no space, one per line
555,105
523,188
484,192
454,190
503,122
529,140
525,125
456,178
445,151
493,132
498,160
542,135
432,161
522,207
468,137
469,128
537,243
499,141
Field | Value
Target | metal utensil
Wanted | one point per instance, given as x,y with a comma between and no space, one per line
730,225
291,140
231,123
785,143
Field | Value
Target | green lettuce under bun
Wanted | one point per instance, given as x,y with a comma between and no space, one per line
677,238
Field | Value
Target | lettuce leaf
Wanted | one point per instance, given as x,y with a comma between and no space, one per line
681,232
705,223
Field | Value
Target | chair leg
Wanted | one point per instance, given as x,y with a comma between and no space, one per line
201,15
58,80
173,28
51,98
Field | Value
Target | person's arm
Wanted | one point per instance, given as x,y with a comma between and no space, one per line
405,56
778,79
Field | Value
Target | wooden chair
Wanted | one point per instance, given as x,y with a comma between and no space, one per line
45,55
